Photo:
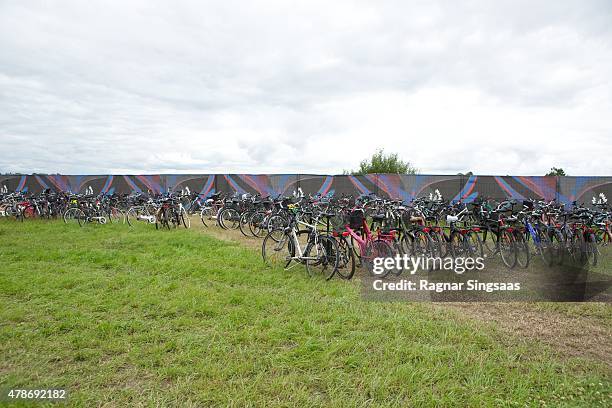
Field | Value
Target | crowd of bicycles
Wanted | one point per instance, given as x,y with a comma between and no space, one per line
334,236
164,211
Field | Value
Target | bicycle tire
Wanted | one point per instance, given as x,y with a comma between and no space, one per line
507,249
326,261
522,250
276,252
376,249
591,250
346,265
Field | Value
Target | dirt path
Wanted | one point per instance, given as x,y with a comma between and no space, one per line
569,336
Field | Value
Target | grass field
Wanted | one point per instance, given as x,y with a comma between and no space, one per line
139,317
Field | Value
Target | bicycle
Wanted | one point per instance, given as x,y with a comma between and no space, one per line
309,247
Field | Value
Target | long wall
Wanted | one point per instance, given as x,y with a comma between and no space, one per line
466,188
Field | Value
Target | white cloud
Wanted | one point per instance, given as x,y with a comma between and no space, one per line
501,87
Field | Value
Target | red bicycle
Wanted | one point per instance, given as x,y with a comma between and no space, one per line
354,234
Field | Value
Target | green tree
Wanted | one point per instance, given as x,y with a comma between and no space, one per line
383,163
556,171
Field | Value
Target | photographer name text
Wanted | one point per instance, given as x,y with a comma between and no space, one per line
439,287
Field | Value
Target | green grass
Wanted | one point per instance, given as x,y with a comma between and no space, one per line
128,317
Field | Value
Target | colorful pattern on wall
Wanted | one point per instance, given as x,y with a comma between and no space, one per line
402,187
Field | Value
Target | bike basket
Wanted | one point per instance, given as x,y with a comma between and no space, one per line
356,219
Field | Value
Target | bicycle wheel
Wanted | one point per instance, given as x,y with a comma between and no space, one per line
276,221
185,219
221,220
474,244
243,224
407,245
606,237
578,250
20,214
29,213
456,244
421,244
169,219
131,216
162,219
591,249
435,245
489,240
256,224
81,217
545,248
507,249
346,261
276,250
68,216
158,219
74,216
205,214
322,256
522,250
558,246
229,218
439,238
140,214
376,249
116,216
175,218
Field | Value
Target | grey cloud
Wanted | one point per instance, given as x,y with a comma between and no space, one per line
271,86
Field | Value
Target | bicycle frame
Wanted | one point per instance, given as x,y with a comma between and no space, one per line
299,256
361,242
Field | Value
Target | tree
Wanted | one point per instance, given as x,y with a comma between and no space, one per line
383,163
469,174
556,171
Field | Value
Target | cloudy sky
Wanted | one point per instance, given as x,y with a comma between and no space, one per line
495,87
